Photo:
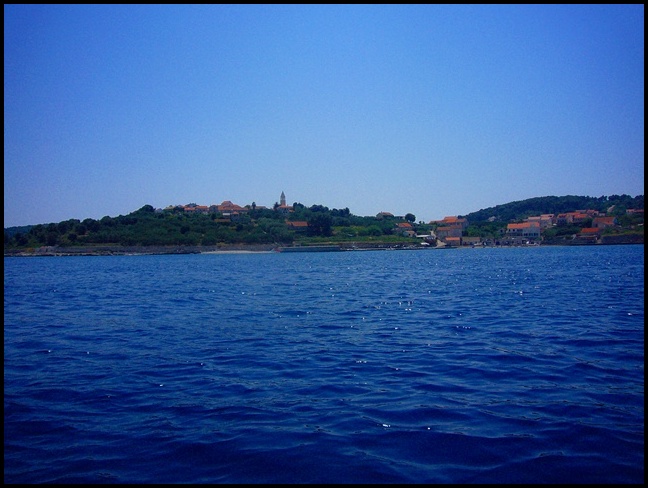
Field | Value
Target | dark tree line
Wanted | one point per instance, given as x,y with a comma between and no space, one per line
556,205
147,227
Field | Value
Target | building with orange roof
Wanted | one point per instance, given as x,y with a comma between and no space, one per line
530,230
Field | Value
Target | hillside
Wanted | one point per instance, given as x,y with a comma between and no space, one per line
519,210
302,226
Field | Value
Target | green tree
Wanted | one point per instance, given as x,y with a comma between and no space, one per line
320,224
146,209
21,239
372,230
52,239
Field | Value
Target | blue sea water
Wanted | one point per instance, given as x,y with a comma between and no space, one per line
519,365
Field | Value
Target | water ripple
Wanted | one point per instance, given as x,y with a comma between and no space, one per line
490,366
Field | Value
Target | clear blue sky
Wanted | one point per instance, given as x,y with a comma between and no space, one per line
426,109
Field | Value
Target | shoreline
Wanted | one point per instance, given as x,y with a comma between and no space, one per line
135,250
47,251
236,252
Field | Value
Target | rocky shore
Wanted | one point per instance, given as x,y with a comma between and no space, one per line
133,250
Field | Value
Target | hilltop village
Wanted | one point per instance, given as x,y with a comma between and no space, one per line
588,225
229,226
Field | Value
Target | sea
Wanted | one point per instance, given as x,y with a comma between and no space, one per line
495,365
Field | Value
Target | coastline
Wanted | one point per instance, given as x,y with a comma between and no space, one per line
270,248
137,250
